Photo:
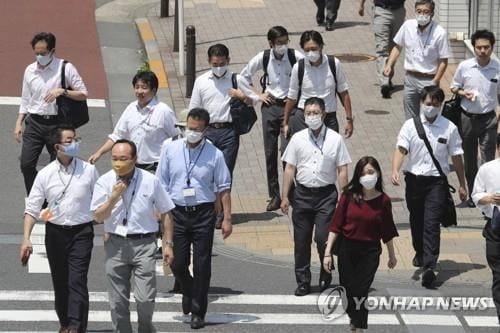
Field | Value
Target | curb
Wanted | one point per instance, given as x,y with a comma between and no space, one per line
152,51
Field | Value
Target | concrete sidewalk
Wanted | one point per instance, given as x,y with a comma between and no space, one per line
242,25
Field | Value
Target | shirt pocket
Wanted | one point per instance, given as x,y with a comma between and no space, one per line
328,165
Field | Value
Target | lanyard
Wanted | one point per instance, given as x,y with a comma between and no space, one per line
189,167
316,142
129,204
422,47
66,186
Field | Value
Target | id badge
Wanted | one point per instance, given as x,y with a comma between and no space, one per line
188,192
121,230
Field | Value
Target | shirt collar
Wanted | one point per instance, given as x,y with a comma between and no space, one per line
212,76
439,121
426,29
324,59
489,65
321,135
149,107
198,147
53,66
68,168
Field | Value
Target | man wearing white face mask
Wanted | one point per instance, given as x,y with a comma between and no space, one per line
38,110
426,189
316,157
276,63
194,173
67,185
213,91
426,54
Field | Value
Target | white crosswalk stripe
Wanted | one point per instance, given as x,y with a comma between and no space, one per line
293,317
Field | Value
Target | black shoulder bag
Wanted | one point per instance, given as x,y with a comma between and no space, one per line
71,112
244,116
450,216
453,111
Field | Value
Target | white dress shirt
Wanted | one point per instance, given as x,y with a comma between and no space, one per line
212,94
147,128
278,72
423,49
487,181
444,139
70,207
471,76
143,195
318,81
316,159
37,82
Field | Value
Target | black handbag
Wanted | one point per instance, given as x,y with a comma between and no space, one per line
244,116
450,216
71,112
453,111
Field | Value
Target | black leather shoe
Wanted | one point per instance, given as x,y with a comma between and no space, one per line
197,322
329,26
417,261
303,290
274,204
320,16
470,203
186,304
428,278
385,90
325,282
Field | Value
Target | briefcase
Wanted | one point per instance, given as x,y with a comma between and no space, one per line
453,111
71,112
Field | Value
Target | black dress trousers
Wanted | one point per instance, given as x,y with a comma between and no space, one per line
69,250
493,257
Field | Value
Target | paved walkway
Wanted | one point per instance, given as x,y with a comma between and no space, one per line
242,25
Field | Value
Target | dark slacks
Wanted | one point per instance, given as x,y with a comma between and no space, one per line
299,123
228,141
272,120
312,209
426,202
482,132
69,252
358,262
332,8
493,258
37,134
196,228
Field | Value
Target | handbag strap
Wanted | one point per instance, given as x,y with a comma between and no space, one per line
234,80
421,133
63,74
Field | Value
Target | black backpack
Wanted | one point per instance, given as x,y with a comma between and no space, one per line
265,62
333,69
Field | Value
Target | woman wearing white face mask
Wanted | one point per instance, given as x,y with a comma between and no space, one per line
363,217
318,75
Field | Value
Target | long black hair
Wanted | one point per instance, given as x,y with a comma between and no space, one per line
354,188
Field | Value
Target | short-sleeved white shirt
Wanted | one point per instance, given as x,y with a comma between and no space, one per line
487,182
423,49
316,159
318,82
444,139
471,76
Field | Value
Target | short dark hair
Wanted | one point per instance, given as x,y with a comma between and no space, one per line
276,32
47,37
425,2
311,35
483,34
434,92
133,147
218,50
354,187
148,77
315,101
56,135
199,114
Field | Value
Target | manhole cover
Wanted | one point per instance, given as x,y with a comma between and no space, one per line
376,112
354,57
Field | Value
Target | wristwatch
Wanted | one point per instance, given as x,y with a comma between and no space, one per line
169,243
65,93
350,118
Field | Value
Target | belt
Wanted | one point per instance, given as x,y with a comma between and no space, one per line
478,115
422,177
221,125
69,227
381,5
280,101
420,75
194,209
135,236
45,118
317,189
147,166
